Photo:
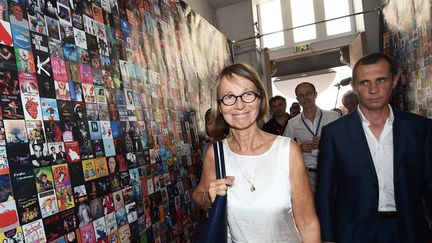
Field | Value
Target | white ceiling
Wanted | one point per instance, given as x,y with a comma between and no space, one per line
322,81
222,3
325,82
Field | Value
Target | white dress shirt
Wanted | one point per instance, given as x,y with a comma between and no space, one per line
297,130
382,155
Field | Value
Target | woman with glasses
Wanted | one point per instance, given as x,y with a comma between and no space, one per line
269,198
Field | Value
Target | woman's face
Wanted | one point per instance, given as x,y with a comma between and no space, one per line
241,115
111,164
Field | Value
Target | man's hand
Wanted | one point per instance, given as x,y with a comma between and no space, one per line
315,142
307,146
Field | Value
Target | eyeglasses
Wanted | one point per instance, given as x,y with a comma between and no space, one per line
246,97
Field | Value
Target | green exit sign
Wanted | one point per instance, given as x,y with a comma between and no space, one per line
303,47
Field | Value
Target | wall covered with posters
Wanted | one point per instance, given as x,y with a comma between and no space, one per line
408,38
101,105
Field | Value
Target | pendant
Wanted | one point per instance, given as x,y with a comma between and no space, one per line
252,189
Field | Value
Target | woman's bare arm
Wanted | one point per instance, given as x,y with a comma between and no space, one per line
302,200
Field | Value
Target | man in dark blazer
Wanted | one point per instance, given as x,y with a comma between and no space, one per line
375,165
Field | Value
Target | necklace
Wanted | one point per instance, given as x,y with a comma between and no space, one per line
252,186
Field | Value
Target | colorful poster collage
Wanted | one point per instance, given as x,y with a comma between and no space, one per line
101,104
413,50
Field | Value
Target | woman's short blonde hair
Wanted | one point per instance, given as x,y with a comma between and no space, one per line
246,71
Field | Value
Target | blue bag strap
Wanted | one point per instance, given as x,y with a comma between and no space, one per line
219,159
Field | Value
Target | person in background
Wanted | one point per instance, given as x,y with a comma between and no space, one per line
277,124
262,168
350,101
305,128
375,165
216,128
294,109
338,110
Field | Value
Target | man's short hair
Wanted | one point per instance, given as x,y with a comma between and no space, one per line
305,83
349,94
277,97
372,59
295,104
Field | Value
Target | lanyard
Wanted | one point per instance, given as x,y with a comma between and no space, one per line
318,126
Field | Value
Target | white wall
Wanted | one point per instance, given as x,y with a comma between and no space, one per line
203,8
236,20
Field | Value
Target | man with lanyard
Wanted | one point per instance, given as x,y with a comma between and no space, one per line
277,124
305,129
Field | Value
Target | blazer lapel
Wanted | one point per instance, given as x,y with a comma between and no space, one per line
356,128
399,129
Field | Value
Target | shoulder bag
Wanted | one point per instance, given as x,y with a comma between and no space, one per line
213,226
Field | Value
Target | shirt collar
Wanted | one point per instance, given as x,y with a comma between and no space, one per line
366,122
317,113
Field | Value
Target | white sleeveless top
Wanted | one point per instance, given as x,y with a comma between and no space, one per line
265,214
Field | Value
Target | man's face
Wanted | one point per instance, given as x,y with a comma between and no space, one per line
278,108
38,151
374,84
294,111
306,96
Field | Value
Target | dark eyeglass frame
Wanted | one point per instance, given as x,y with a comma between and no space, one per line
256,95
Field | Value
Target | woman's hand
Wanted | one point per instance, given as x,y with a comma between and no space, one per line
219,187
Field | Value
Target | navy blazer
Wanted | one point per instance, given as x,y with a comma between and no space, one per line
347,184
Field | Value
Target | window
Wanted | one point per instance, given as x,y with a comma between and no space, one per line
302,12
334,9
279,15
271,21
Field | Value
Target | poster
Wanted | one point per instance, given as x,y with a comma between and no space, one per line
93,95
